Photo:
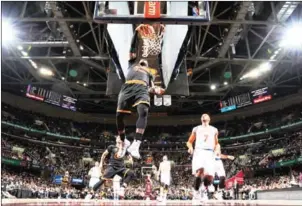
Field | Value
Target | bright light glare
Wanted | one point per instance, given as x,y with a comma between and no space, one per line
8,32
85,84
265,67
292,37
63,78
45,72
213,87
257,72
33,64
24,53
20,48
225,83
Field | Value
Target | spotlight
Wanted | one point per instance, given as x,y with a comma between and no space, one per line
9,34
292,37
213,87
45,72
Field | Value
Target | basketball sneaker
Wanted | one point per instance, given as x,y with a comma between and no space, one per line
124,147
196,197
134,149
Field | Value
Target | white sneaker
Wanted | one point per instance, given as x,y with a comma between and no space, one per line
134,149
88,197
122,192
124,148
204,195
218,195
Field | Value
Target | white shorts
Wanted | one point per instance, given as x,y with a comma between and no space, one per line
165,179
219,168
203,159
93,181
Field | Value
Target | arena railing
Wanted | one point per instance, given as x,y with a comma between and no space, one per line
268,131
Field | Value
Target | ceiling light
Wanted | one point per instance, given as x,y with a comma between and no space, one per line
9,33
292,37
225,83
78,82
45,72
63,78
213,87
20,48
24,53
85,84
254,73
81,47
265,67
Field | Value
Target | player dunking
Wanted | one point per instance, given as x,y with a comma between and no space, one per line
164,172
220,172
206,140
116,166
135,93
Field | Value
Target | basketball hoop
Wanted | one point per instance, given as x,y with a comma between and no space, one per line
152,36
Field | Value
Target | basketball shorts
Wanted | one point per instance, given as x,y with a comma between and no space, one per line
93,181
132,95
165,179
111,171
203,158
219,168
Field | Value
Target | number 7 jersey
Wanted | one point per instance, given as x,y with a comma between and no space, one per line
205,137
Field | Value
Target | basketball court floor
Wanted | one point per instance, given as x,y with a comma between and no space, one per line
33,202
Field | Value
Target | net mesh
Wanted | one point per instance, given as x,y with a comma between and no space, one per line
152,37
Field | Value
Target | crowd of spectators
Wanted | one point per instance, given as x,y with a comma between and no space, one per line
57,156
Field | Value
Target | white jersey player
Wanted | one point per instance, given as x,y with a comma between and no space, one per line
116,187
164,172
95,174
203,162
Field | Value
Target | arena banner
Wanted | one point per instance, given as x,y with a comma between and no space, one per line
289,162
13,162
220,139
239,177
41,132
263,132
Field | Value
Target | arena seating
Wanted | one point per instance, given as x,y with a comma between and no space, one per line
264,158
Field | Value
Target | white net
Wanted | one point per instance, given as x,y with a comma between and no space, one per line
151,46
152,40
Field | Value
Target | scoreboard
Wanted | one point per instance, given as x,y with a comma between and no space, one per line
246,99
51,97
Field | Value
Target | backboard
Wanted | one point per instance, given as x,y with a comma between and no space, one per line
136,12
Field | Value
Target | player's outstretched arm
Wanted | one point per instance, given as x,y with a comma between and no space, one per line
230,157
103,157
191,141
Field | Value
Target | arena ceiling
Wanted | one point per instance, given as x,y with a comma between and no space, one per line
62,36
